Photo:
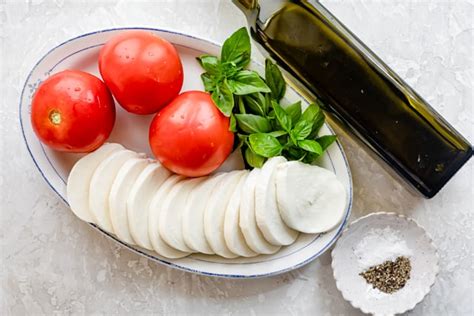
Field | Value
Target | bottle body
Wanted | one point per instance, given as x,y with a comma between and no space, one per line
361,91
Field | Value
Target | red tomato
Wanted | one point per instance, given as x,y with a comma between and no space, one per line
142,70
191,136
73,111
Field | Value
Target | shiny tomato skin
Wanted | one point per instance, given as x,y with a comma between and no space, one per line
142,70
72,111
190,136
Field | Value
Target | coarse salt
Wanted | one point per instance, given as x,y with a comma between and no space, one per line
380,245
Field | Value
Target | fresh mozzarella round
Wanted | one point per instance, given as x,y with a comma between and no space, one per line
266,208
118,196
171,225
138,201
248,223
193,215
100,186
214,215
80,177
234,238
156,203
311,199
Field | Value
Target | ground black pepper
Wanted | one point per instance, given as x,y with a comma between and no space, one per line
389,276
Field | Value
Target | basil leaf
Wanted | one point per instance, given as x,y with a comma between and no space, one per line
209,82
209,63
314,114
255,103
262,100
223,98
247,82
240,102
268,101
265,145
326,141
310,113
229,69
294,111
309,157
242,140
278,133
236,48
295,153
242,137
318,123
253,159
232,124
311,146
274,80
282,117
250,123
271,115
301,130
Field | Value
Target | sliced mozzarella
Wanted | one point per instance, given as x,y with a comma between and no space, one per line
234,238
156,203
311,199
171,226
101,183
138,201
214,216
80,177
193,215
248,223
266,209
118,196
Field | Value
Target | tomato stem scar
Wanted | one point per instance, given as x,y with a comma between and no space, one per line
55,117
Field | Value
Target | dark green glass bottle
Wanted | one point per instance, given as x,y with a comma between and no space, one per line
359,89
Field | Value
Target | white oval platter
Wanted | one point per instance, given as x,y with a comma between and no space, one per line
132,131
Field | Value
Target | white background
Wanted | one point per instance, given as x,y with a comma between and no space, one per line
51,262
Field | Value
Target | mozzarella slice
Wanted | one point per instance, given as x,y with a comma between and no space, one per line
156,203
234,238
171,226
266,209
193,215
100,186
248,223
119,192
80,177
138,201
214,216
311,199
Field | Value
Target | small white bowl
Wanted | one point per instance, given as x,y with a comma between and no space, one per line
346,265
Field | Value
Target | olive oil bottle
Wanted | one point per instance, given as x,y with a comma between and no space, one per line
357,88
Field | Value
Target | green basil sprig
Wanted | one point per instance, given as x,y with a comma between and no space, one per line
264,128
226,77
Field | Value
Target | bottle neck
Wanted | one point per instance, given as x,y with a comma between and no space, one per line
249,8
246,5
259,11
